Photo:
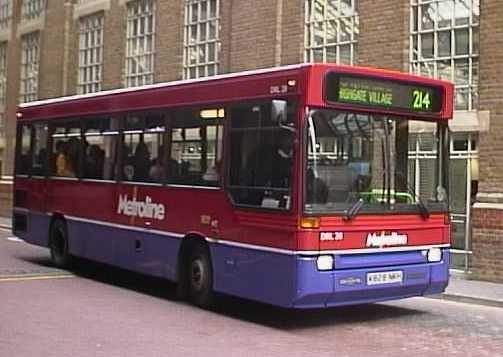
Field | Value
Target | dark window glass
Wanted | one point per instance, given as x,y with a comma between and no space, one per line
261,158
100,148
196,147
66,149
143,148
460,145
24,147
39,153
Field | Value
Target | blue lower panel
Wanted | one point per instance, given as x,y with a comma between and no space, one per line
141,251
286,280
156,254
349,286
253,274
37,229
295,281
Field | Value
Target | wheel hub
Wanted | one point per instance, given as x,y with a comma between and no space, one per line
197,272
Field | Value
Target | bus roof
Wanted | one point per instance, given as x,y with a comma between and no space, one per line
256,84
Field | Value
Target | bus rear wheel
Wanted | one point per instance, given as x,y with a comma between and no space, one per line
58,244
200,276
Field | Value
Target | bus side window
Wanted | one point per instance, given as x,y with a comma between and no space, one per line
143,148
39,151
66,149
24,149
261,159
196,147
100,148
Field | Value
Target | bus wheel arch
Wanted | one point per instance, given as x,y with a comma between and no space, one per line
195,271
59,241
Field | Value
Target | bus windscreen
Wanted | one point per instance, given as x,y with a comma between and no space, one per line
369,92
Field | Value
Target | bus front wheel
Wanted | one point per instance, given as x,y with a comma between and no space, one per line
200,276
58,244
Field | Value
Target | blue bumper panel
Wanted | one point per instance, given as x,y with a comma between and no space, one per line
349,286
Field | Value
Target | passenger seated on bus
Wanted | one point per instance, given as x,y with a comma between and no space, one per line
173,170
63,164
184,170
157,171
93,166
127,163
74,154
141,161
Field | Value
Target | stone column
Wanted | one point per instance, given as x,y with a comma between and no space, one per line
487,237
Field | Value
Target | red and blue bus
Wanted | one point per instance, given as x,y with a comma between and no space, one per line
290,186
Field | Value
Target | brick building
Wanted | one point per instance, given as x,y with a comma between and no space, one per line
51,48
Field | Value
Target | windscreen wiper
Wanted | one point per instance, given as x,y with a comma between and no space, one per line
423,210
349,214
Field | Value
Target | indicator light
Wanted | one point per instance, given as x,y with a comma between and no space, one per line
310,222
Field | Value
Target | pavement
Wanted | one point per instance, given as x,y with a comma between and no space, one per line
5,222
461,288
473,291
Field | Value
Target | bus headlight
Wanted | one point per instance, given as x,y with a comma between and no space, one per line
434,255
325,262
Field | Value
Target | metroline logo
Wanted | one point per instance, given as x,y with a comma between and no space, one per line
384,239
142,209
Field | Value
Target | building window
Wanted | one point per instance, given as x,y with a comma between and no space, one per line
201,38
90,53
3,84
445,44
5,13
29,67
331,31
31,9
140,43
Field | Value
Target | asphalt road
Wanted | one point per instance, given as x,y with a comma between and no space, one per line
100,311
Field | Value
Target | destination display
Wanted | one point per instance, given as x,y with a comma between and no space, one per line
393,95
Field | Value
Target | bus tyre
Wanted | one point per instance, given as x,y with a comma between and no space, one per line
200,276
58,244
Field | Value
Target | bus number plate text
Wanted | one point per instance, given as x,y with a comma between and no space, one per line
387,277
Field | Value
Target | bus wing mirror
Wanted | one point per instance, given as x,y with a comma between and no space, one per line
279,114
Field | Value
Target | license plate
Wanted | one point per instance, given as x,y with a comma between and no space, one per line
386,277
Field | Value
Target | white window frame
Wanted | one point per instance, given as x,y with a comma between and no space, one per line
323,35
5,13
32,9
90,70
201,44
30,57
139,65
447,29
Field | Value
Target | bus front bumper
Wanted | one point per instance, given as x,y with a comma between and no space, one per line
381,282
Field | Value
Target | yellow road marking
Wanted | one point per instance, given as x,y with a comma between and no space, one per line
35,277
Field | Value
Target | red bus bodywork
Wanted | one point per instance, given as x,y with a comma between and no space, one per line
256,254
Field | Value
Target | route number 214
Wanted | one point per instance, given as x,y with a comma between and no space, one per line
422,100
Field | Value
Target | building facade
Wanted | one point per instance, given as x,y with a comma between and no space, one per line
51,48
